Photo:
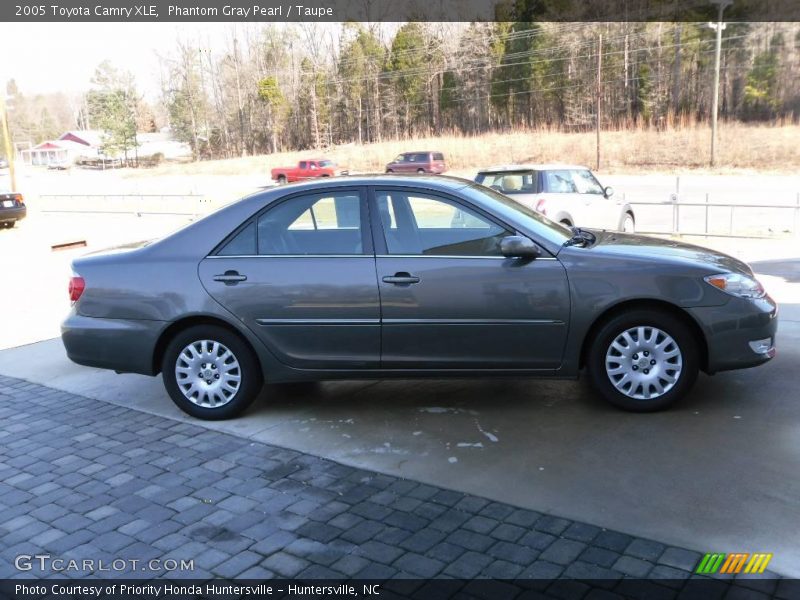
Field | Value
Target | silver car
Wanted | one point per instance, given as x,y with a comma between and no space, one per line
569,194
387,276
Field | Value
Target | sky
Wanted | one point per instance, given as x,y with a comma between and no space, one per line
58,57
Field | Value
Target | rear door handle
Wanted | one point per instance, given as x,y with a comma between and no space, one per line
230,277
401,278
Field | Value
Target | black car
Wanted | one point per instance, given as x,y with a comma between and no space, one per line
12,208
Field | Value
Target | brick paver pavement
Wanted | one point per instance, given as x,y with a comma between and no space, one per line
83,479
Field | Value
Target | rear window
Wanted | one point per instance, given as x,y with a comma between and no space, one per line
327,163
510,182
438,156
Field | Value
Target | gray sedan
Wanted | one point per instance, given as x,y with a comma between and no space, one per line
386,276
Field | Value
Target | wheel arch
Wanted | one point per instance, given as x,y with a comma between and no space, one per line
184,323
626,210
563,216
652,304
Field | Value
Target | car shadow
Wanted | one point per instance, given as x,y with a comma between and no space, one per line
788,269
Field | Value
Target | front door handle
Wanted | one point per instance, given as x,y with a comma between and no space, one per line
401,278
230,277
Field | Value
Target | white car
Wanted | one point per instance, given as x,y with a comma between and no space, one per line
568,194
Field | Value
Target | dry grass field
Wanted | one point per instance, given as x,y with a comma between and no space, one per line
741,147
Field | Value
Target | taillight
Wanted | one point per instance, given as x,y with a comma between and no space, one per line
76,287
18,199
540,206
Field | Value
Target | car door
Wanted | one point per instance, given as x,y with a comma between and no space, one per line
449,299
562,201
302,276
600,212
407,165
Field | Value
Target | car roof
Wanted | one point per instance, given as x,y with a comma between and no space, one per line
440,182
532,167
423,152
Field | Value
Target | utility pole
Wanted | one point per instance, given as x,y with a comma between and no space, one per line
9,146
599,95
718,27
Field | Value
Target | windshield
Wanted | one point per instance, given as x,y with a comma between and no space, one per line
555,232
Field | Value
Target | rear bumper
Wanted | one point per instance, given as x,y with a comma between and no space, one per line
731,328
13,214
123,345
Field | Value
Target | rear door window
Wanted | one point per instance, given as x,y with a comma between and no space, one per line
323,223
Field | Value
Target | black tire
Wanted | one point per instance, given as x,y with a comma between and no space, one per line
282,180
250,383
420,171
9,224
668,324
389,171
565,223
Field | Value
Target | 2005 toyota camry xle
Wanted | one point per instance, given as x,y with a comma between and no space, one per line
387,276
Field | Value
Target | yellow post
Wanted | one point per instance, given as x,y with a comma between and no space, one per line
7,139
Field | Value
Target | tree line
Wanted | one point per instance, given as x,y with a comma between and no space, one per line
272,88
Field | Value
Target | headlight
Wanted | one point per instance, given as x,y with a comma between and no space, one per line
737,285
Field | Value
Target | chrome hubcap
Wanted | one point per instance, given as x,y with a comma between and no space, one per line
644,362
208,374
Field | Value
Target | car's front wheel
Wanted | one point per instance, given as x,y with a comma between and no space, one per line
210,373
643,360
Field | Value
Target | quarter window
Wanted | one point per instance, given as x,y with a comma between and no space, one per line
242,244
313,224
522,182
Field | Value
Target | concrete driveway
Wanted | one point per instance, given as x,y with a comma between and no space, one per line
717,473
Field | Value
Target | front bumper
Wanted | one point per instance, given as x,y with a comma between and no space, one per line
730,329
127,346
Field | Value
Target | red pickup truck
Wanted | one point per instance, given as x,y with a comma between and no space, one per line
307,169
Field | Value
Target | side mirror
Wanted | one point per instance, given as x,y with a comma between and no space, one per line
608,192
518,246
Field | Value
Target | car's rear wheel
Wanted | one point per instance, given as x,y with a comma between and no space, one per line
420,171
389,171
210,372
643,360
9,224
